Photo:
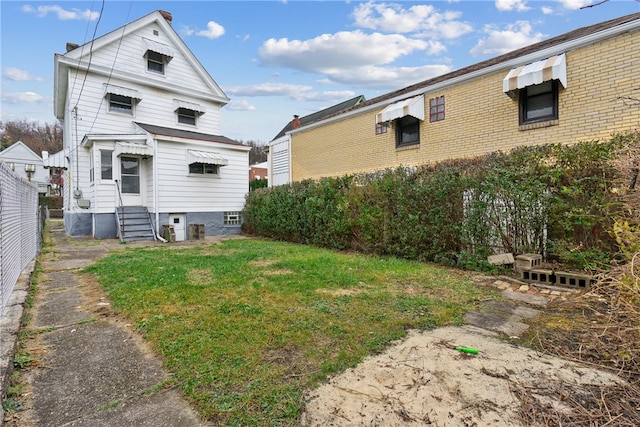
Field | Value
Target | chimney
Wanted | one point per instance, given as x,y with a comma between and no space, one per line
295,123
166,15
71,46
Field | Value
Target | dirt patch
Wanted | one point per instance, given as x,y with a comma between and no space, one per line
423,380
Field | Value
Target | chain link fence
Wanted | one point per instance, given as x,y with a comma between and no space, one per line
19,229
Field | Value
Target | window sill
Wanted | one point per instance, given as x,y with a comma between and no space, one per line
408,147
539,125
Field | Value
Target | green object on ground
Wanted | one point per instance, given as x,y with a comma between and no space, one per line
467,350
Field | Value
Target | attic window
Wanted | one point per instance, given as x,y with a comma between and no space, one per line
155,62
158,55
186,116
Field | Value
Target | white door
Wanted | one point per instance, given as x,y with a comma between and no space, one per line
130,182
178,222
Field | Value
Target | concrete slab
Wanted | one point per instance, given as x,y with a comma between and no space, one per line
508,325
515,309
57,309
90,366
536,300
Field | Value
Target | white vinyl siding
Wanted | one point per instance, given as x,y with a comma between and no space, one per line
197,193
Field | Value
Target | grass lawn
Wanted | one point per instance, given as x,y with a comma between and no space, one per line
246,326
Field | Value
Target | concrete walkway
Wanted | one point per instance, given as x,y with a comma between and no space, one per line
91,369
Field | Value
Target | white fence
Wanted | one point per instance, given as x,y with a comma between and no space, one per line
19,230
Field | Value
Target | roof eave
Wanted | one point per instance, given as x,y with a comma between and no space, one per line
519,60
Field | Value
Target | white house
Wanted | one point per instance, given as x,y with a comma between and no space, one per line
26,163
142,133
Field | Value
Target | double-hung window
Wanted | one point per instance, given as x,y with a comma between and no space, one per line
187,116
156,62
539,103
120,104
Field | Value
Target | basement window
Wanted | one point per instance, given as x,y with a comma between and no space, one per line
233,218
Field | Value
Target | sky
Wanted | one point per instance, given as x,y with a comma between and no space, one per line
274,59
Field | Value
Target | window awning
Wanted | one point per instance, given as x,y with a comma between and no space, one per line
57,160
553,68
156,47
135,148
206,157
408,107
189,106
123,91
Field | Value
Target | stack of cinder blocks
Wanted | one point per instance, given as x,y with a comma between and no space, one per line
529,267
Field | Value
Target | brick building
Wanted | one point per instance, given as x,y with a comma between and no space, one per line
563,90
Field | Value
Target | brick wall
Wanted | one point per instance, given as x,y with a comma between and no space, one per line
480,118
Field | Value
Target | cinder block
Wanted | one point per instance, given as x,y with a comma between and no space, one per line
539,275
527,261
196,231
574,280
500,259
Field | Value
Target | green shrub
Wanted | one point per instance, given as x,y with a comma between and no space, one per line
545,199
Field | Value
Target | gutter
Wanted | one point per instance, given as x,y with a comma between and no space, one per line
525,59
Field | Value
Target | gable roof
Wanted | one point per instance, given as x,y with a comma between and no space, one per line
319,115
19,151
80,58
185,134
546,48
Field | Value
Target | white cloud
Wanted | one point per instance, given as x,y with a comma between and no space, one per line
507,5
514,36
336,95
422,19
240,105
62,14
343,50
213,31
19,75
387,77
23,97
547,10
576,4
267,89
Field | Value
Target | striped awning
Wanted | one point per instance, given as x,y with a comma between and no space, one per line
153,46
134,148
123,91
206,157
408,107
189,106
553,68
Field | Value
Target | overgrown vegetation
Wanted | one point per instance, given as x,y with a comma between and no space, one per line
551,199
248,325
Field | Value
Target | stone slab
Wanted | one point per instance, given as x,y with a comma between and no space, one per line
536,300
515,309
509,325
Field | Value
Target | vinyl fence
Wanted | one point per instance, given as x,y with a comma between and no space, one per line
19,230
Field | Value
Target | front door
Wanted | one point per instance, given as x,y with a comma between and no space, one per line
130,187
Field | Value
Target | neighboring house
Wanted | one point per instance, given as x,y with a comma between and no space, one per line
23,161
259,171
142,137
279,157
563,90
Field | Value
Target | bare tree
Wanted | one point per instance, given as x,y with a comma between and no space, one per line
38,137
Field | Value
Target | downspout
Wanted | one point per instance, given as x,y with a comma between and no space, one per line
155,186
